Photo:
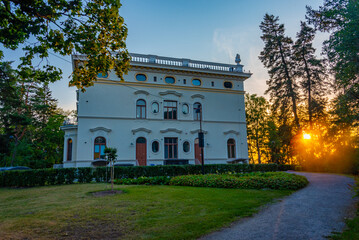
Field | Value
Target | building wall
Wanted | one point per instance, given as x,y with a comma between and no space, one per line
108,109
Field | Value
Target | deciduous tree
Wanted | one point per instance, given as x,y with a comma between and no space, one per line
93,28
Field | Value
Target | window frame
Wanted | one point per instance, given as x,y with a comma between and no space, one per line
228,82
171,147
69,150
141,108
141,74
167,113
175,81
185,104
231,148
200,82
100,147
189,146
158,142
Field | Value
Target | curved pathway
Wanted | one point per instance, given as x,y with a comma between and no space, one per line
310,213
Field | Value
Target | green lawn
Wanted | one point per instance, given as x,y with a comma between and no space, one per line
142,212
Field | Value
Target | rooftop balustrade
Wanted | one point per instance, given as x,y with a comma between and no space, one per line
182,62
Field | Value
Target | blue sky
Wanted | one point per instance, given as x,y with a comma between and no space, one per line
207,30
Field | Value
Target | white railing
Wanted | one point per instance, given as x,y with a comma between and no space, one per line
181,62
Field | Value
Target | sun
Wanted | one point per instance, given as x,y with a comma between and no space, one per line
306,136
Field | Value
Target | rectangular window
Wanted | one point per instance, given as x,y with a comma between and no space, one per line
170,110
155,79
171,148
184,81
212,84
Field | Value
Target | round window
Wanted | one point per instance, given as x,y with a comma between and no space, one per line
155,107
228,85
186,147
196,82
102,75
170,80
155,146
141,77
185,108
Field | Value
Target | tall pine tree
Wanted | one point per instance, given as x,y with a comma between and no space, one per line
276,57
311,72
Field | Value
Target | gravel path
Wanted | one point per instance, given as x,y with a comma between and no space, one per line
310,213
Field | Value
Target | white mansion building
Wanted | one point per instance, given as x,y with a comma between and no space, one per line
153,117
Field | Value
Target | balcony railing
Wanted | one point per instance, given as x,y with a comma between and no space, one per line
181,62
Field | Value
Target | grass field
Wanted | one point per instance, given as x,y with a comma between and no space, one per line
141,212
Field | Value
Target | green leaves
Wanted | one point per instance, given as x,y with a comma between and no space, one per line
93,28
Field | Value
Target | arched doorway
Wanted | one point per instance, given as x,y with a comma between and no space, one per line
141,153
197,152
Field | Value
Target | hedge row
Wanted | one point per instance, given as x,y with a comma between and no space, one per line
254,180
42,177
280,181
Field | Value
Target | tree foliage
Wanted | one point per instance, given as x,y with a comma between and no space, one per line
29,119
341,19
256,117
276,57
92,28
311,73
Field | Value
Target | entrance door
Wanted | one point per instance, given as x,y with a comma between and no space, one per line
197,152
141,154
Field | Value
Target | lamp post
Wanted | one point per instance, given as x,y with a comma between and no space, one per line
201,136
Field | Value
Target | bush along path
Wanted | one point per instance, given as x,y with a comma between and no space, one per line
254,180
314,212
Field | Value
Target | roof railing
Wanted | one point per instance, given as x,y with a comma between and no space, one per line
182,62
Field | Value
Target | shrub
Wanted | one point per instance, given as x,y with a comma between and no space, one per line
280,181
161,180
40,177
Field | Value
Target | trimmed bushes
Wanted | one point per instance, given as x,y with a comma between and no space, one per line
280,181
40,177
161,180
37,177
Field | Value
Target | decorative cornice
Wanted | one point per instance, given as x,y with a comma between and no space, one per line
197,96
171,130
197,131
231,131
100,129
141,92
171,92
141,130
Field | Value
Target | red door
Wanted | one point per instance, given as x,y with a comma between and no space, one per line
141,154
197,152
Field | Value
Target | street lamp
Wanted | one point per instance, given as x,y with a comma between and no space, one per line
200,135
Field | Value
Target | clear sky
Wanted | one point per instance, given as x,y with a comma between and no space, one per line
207,30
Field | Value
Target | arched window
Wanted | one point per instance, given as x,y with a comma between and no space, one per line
155,107
100,145
140,108
197,111
69,149
231,148
185,108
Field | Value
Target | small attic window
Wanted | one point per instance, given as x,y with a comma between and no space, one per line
141,77
170,80
228,85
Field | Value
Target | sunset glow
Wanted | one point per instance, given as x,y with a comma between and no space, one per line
306,136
